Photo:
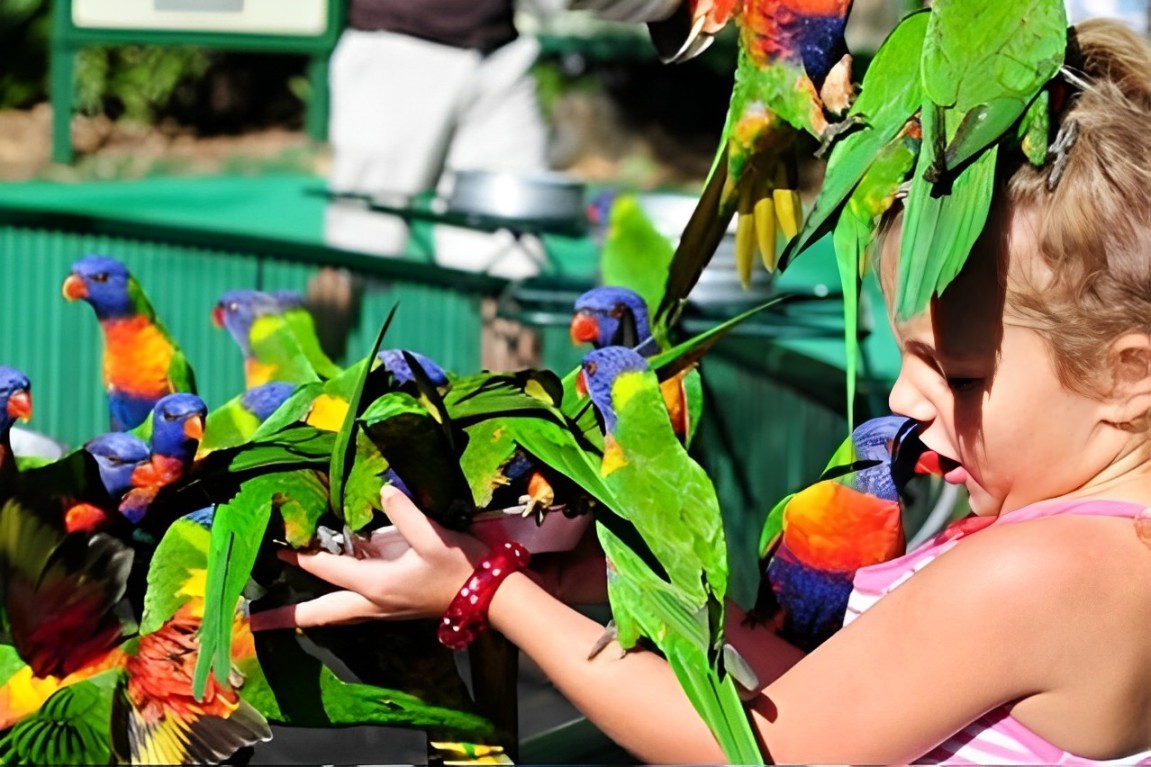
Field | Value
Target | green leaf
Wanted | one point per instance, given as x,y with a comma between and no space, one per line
939,231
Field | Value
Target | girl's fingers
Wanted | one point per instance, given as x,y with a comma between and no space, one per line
339,570
418,530
339,607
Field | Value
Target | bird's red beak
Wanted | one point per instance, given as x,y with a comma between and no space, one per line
218,316
581,384
584,329
194,428
20,405
74,288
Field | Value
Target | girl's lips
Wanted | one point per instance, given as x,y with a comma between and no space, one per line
957,476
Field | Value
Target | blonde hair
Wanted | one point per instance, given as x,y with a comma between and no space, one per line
1091,280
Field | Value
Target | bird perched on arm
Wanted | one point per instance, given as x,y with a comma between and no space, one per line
615,316
142,362
677,600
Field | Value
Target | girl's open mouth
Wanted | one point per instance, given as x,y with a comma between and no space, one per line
931,462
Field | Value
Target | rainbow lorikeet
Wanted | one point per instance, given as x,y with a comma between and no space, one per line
177,428
816,539
616,316
793,69
669,584
15,404
118,454
142,362
234,422
276,335
95,688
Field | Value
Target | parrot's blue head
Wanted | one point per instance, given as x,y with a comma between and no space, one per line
598,372
394,362
106,284
892,444
117,455
202,517
238,309
289,299
262,401
178,425
610,316
15,398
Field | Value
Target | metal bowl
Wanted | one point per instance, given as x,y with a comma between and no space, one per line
501,194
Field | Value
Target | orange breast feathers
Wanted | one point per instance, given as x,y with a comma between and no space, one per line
137,357
833,527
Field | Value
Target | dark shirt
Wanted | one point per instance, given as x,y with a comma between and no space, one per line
477,24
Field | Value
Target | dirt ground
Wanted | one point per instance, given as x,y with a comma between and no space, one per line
107,150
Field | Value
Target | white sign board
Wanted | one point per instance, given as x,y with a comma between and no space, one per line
254,17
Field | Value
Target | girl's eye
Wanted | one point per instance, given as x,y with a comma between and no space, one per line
964,385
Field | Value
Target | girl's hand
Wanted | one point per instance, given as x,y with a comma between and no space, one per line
419,582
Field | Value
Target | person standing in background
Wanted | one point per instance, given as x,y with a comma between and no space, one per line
419,90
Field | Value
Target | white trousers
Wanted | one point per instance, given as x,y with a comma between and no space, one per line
405,113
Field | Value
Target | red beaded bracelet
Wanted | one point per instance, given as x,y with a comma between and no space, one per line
467,615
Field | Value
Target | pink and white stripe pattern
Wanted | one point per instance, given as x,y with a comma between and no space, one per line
996,737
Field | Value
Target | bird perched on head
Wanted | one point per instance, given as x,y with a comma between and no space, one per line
669,586
177,428
142,362
276,335
816,539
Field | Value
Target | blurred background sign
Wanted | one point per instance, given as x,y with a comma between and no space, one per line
262,17
308,27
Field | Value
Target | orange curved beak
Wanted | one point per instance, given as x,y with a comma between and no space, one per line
74,288
194,428
581,384
20,405
584,328
218,316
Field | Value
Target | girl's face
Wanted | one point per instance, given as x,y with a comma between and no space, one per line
985,390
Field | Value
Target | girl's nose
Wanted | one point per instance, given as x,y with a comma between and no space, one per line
907,399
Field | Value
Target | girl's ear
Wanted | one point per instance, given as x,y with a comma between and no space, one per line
1130,358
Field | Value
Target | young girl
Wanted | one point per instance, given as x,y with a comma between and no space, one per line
1018,635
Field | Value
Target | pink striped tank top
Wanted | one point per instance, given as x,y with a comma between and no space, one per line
996,737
